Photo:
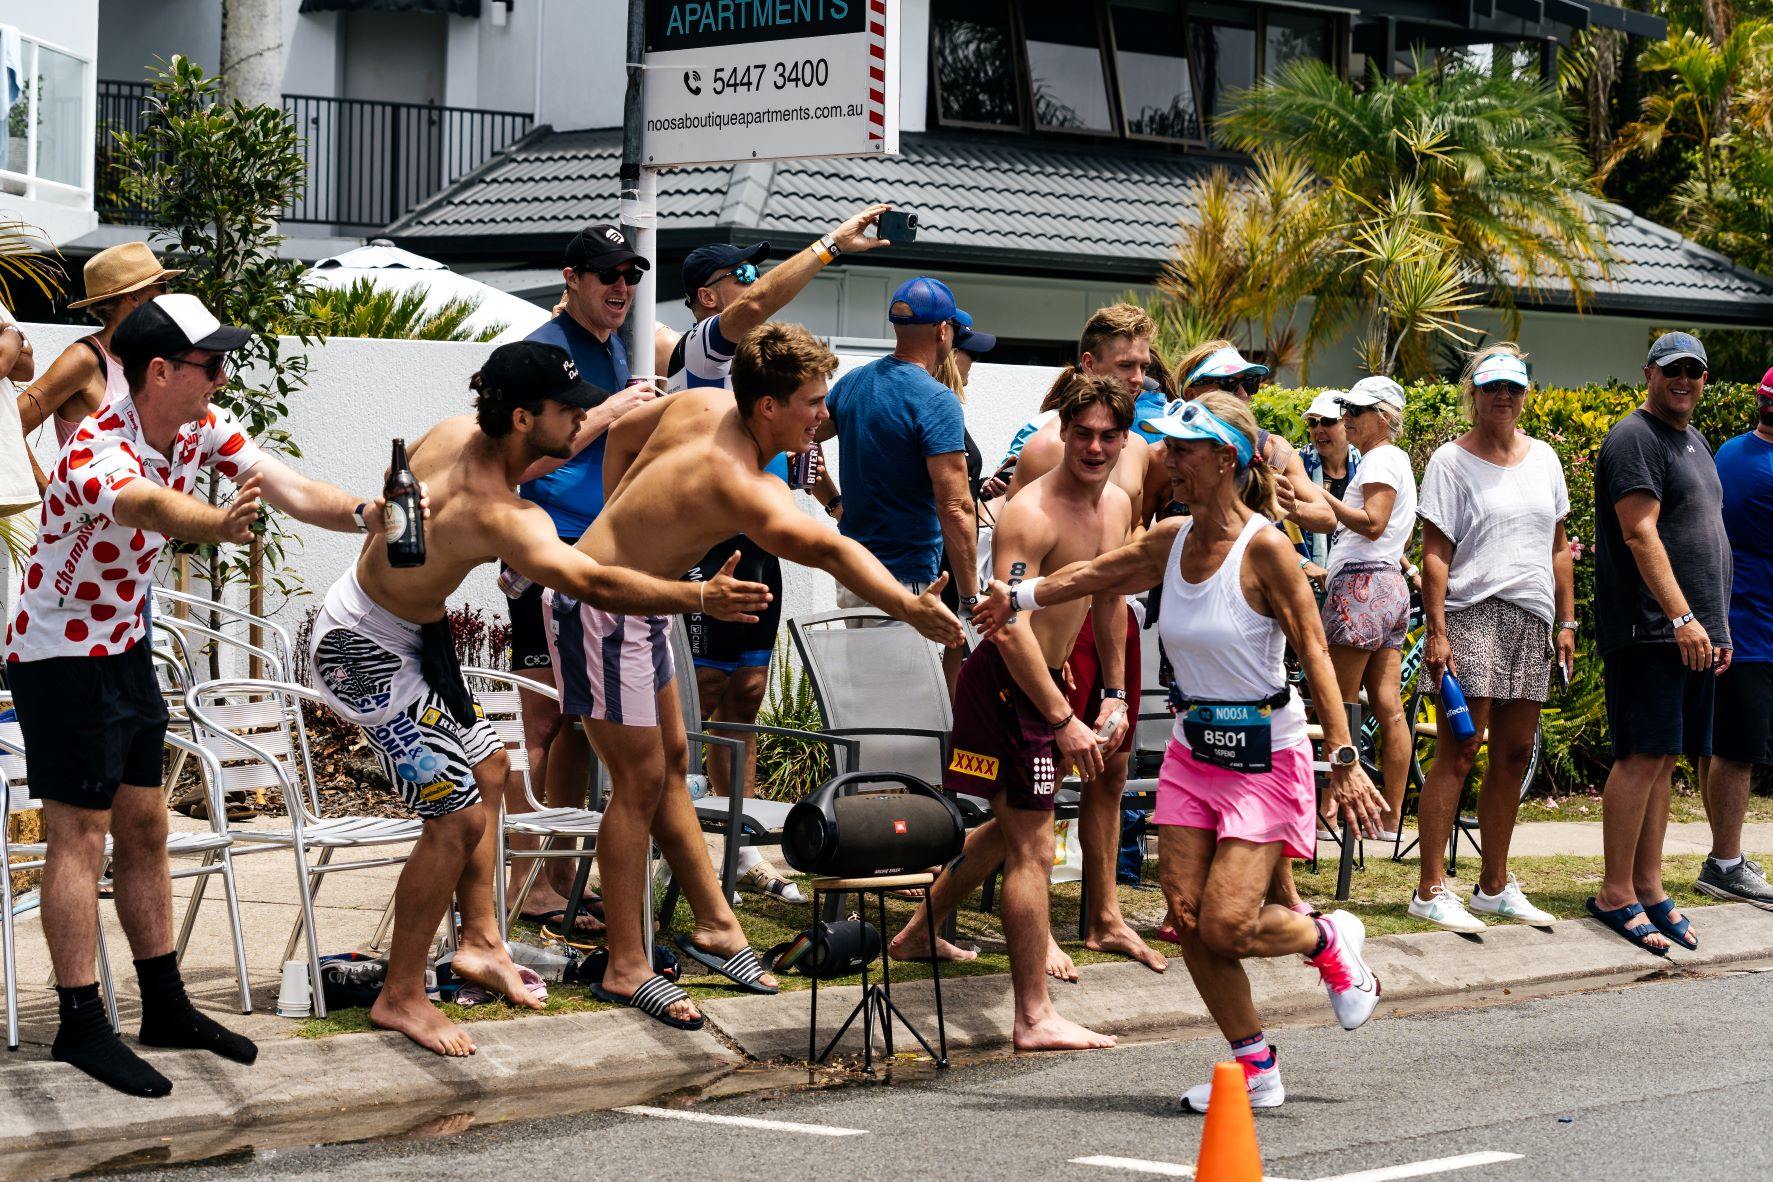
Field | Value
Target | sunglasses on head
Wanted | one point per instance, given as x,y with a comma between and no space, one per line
630,276
1684,368
745,274
214,368
1503,386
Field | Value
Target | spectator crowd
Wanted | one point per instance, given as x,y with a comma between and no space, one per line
1142,505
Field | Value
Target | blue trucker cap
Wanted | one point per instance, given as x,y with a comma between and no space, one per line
922,301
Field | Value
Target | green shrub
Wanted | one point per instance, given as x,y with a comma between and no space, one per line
1575,422
788,769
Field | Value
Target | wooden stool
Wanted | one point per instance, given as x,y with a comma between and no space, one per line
877,1000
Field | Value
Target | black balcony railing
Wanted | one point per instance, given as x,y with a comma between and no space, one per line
368,162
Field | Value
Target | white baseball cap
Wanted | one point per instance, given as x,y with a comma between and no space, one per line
1374,390
1327,405
1224,363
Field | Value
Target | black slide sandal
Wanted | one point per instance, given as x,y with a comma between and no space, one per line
653,999
742,968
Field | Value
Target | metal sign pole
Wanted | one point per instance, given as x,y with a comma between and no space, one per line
639,214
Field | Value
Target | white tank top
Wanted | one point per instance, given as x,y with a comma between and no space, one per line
1220,648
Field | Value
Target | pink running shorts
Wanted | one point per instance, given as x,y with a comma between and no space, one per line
1260,807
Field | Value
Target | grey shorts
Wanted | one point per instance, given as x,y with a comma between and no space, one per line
1500,651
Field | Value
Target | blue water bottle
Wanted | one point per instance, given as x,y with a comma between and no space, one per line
1454,707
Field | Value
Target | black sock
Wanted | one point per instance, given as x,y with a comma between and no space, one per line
1323,937
170,1020
87,1041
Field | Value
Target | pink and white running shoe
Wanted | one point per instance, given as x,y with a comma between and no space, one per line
1353,989
1265,1089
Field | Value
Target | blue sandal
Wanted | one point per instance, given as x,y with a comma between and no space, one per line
1619,920
1678,932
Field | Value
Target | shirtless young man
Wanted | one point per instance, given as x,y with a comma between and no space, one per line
1116,344
681,474
382,657
1015,733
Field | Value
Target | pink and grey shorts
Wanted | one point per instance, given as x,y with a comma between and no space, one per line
1257,807
607,666
1367,606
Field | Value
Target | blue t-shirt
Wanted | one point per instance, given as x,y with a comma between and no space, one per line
891,417
1745,469
573,493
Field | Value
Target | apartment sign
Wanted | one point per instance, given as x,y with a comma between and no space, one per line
735,80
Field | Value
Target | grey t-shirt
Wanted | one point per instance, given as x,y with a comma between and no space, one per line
1645,454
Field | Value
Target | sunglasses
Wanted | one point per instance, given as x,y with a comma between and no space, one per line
1196,415
1687,368
214,368
745,274
1502,386
611,277
1248,383
1354,412
1314,422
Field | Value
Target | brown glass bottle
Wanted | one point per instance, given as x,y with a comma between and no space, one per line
405,519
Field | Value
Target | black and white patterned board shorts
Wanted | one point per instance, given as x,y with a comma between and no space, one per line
1500,651
365,663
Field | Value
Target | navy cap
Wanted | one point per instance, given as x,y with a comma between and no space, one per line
703,261
922,301
601,248
523,371
1672,346
969,338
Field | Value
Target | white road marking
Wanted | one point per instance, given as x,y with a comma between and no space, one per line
1420,1169
743,1122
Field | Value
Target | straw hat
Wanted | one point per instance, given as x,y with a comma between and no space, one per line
119,270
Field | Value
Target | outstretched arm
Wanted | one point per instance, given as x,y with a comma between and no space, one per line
1137,566
788,533
527,543
142,504
787,279
317,502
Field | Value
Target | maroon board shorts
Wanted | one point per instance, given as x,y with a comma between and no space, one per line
1086,674
1000,742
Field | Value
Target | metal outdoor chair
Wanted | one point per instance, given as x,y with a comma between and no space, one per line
253,727
273,640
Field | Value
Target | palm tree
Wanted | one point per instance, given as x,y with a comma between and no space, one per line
363,309
1491,156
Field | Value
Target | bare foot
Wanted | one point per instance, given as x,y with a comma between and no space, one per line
422,1022
1056,1034
1124,941
491,968
624,985
914,946
1059,965
724,942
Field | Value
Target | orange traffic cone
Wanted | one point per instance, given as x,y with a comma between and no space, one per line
1228,1151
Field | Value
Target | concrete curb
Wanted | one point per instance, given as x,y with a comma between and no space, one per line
56,1121
1129,1000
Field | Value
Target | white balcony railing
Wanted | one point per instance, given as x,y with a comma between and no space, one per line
46,112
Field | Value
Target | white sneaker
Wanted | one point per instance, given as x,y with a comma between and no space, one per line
1265,1090
1511,903
1443,909
1353,989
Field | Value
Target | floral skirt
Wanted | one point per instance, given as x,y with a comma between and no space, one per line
1367,606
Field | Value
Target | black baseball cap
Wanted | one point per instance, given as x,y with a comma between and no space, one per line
705,260
168,325
524,371
601,248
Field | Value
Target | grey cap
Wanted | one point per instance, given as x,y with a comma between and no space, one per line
1672,346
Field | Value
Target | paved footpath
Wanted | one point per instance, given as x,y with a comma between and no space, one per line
1661,1081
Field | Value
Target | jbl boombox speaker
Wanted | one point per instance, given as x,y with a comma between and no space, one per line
864,834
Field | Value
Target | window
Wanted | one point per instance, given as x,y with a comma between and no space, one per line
1157,93
47,123
1289,36
1066,74
1142,69
975,63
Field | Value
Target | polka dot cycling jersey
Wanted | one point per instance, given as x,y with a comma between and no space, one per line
86,576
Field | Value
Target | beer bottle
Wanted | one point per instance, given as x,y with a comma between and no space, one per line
404,520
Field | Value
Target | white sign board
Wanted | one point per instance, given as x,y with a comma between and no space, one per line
736,80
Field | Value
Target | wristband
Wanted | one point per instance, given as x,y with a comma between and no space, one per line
1680,622
1022,595
357,514
831,506
1117,694
969,601
1063,722
827,249
1569,625
703,584
1304,562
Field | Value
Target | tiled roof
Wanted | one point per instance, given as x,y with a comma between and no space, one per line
985,204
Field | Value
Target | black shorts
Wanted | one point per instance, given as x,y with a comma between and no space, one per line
1742,724
727,645
529,634
1655,705
90,724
